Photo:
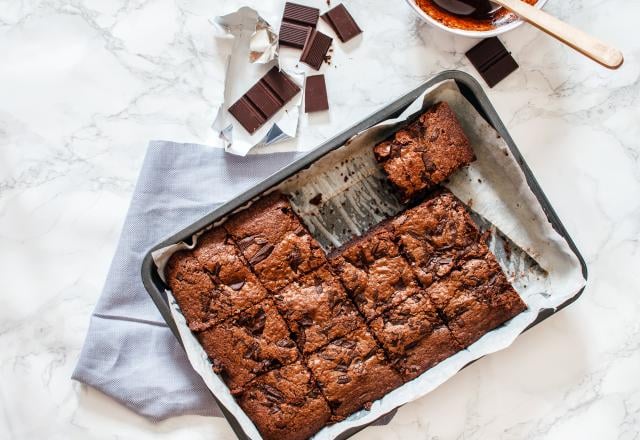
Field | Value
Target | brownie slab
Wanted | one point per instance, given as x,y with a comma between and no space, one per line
373,272
424,153
352,372
252,342
317,310
275,242
436,235
285,404
414,336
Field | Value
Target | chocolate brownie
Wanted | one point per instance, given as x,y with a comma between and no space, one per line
475,298
236,288
275,242
285,404
414,336
373,272
252,342
425,152
317,309
435,235
352,372
192,287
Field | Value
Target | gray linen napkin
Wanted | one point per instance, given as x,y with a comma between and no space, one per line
129,352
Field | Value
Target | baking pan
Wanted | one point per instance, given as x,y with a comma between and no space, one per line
470,89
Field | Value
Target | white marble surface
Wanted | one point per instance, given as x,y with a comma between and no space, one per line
84,84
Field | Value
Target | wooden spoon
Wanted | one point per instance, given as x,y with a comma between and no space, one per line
587,45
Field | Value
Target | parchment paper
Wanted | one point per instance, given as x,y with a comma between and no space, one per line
538,261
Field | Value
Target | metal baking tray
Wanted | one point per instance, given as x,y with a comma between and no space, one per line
470,89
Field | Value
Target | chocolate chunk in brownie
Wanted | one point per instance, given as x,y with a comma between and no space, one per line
275,242
435,235
352,372
317,309
475,298
373,272
252,342
425,152
414,336
285,404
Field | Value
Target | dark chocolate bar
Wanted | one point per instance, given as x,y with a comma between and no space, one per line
315,94
297,22
315,49
492,60
264,99
342,23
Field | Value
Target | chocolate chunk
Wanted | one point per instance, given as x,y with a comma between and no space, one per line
492,60
315,49
293,35
342,23
305,15
315,100
261,254
264,100
237,286
343,379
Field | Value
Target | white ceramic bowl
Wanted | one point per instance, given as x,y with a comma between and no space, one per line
466,33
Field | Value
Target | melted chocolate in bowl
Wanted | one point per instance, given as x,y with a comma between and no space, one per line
471,15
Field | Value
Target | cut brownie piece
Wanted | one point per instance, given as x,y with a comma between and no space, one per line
235,287
425,152
475,299
373,271
192,287
275,242
414,336
285,403
436,235
317,310
254,341
352,372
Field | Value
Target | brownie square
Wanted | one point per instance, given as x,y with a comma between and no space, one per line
317,310
414,336
475,298
235,287
285,404
275,242
435,235
192,288
248,344
373,272
352,372
425,153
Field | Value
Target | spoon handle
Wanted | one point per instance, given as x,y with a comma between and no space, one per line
593,48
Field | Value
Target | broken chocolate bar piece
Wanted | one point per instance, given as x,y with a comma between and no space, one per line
315,49
297,22
492,60
264,99
342,23
315,94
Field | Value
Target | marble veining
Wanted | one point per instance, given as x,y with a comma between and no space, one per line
84,84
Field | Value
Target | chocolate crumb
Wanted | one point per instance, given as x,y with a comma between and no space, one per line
316,200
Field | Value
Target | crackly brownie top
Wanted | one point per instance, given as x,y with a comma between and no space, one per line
285,403
317,309
402,327
254,341
274,241
436,235
425,152
352,372
373,272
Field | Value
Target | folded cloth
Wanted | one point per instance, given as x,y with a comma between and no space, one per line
129,352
